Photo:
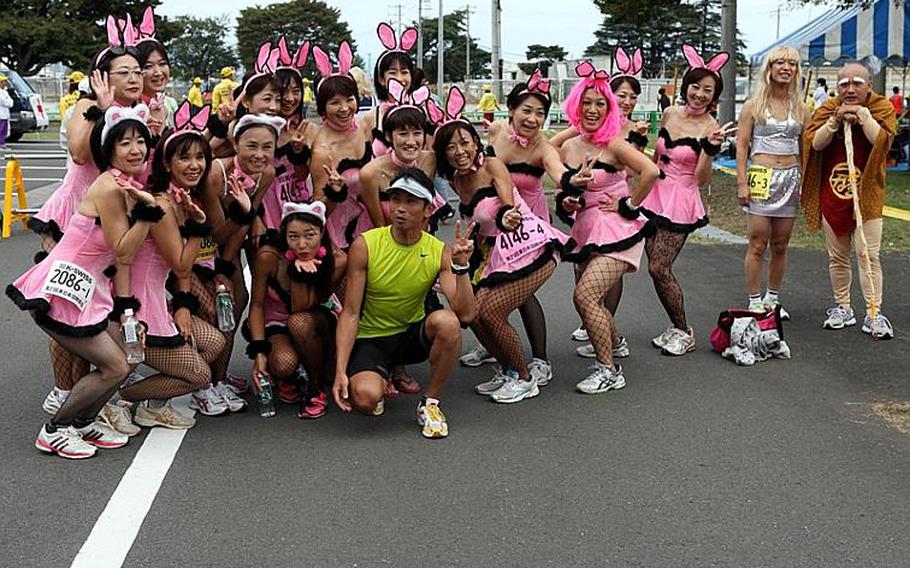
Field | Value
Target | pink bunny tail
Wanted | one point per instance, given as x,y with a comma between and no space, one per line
345,57
692,57
408,39
322,61
386,35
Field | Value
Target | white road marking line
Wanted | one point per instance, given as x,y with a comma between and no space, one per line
115,531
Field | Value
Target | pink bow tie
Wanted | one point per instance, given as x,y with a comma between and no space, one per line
518,138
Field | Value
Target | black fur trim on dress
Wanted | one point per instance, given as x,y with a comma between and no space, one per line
192,229
467,210
45,227
39,307
257,346
684,141
582,255
236,214
661,222
184,299
525,168
348,163
142,211
637,138
40,256
164,340
93,114
336,196
547,255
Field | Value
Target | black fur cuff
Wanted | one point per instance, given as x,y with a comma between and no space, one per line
142,211
93,114
301,157
236,214
637,138
192,229
258,346
709,149
216,127
500,216
186,300
224,267
123,303
336,196
626,209
561,212
566,184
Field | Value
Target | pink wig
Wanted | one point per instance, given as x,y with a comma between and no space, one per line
600,82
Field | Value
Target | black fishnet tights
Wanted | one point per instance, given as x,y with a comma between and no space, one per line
535,323
205,291
600,275
491,325
282,361
313,335
68,368
181,370
663,247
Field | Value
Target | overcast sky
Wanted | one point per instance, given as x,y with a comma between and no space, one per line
569,23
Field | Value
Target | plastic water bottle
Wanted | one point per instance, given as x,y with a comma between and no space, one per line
266,397
135,353
224,307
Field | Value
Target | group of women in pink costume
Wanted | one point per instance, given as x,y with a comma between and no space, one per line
161,211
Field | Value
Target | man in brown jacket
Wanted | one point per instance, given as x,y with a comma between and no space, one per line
827,196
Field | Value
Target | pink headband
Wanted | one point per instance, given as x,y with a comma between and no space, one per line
537,85
295,63
403,99
455,103
146,31
185,124
122,36
324,65
697,62
266,63
391,43
628,67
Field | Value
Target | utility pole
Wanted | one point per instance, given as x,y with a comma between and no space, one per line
467,47
440,49
496,55
777,35
420,33
396,8
727,111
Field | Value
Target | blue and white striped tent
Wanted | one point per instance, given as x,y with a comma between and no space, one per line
882,30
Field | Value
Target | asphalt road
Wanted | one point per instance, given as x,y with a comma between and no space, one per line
696,462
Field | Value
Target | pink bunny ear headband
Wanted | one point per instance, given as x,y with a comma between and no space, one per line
275,122
316,209
628,66
117,114
403,99
120,37
146,30
391,43
455,103
295,63
324,65
266,64
586,70
715,64
537,85
185,123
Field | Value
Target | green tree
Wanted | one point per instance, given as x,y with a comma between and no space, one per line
35,33
551,52
200,48
297,20
454,44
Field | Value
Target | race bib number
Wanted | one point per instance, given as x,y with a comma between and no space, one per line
71,283
207,249
759,182
527,238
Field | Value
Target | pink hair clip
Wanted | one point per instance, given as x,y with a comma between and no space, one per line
324,64
715,64
266,63
628,66
391,43
186,123
455,103
403,99
295,63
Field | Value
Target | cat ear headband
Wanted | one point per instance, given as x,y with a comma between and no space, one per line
403,99
117,114
628,66
455,103
185,123
324,64
316,209
393,44
295,63
715,64
275,122
266,64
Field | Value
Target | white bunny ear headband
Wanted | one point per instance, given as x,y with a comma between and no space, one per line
316,209
324,64
402,99
266,64
117,114
393,44
274,122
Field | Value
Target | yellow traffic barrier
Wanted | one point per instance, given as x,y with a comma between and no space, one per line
13,183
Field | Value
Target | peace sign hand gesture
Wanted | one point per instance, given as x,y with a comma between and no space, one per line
103,90
335,179
585,174
463,246
299,136
718,136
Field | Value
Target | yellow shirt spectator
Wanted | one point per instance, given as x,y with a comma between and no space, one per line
195,96
488,103
221,94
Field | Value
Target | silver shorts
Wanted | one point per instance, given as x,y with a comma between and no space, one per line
783,197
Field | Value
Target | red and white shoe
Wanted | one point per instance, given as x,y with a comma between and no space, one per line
208,402
65,442
240,384
103,436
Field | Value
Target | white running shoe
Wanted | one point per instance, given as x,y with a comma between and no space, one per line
53,401
476,357
240,384
103,436
165,416
117,416
580,334
227,393
661,340
586,351
679,342
432,421
515,390
208,402
542,371
878,327
493,385
65,442
602,379
620,350
839,318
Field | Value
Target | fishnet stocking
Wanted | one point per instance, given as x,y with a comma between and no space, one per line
492,327
313,336
600,275
68,368
282,360
535,323
663,247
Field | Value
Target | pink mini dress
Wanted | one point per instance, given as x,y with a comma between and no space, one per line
69,292
528,181
347,221
607,232
510,255
148,275
54,216
286,187
675,202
